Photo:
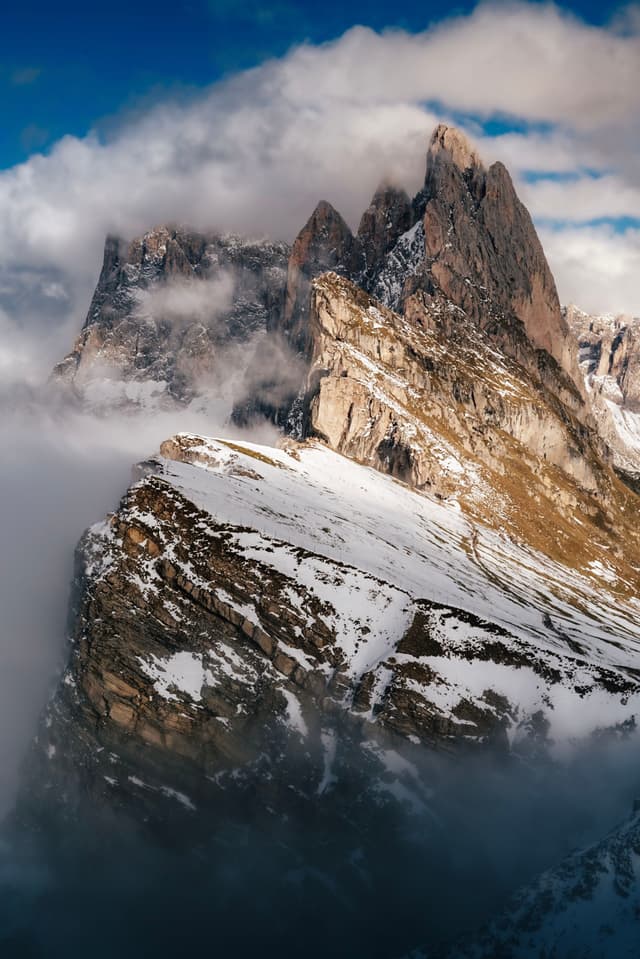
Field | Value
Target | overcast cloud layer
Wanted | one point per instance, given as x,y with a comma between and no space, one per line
256,153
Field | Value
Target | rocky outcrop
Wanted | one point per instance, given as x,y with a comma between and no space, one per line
324,243
483,251
217,624
168,308
609,347
482,245
427,397
389,215
473,245
609,353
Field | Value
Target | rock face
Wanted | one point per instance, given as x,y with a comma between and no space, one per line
324,243
167,309
216,621
482,249
609,347
384,390
609,352
389,215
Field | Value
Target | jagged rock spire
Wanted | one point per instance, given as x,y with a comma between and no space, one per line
450,145
386,218
482,248
324,243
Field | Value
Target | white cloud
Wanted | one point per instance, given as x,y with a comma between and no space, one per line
596,267
581,200
185,300
254,154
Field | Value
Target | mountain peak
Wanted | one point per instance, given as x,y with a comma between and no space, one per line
450,145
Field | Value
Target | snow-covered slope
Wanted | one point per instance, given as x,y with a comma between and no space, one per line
242,588
587,907
561,621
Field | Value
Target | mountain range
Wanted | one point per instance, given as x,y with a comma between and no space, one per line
438,560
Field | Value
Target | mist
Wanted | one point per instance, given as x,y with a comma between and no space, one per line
347,873
383,877
62,470
186,301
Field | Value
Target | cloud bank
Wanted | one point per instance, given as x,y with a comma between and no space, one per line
536,87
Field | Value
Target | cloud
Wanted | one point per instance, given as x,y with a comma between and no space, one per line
25,77
596,267
583,199
189,300
33,137
254,153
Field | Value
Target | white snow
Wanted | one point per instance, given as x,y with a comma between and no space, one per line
407,544
182,671
371,549
295,719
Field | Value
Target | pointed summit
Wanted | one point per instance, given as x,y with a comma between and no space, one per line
450,145
324,243
484,254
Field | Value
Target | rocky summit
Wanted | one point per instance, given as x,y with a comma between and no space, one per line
438,561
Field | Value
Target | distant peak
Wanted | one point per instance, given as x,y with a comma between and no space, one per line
450,144
387,188
325,211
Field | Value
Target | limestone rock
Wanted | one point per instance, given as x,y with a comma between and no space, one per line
428,398
609,353
479,250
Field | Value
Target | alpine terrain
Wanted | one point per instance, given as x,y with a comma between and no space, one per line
286,655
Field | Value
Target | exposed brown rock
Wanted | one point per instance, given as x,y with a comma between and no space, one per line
324,243
483,248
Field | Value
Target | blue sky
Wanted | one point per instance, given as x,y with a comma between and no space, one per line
71,66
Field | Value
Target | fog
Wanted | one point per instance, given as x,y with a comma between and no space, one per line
184,301
368,879
344,874
62,470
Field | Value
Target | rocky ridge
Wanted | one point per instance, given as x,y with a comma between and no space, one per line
243,596
609,353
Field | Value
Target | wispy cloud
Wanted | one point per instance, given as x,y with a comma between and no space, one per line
33,137
25,76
